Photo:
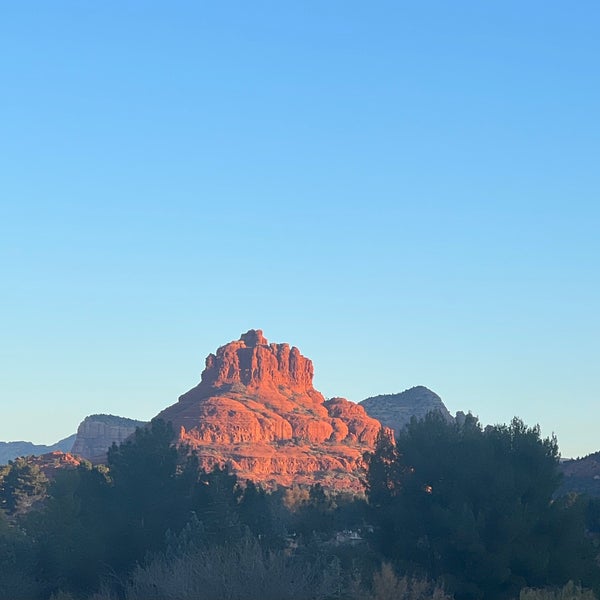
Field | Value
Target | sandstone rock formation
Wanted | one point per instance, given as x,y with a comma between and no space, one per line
52,462
96,434
256,410
396,410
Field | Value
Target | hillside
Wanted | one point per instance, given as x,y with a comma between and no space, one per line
581,475
396,410
11,450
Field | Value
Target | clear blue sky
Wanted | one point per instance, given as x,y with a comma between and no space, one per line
408,192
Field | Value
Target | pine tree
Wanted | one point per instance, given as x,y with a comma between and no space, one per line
21,486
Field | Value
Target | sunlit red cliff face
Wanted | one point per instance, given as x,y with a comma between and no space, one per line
256,410
53,462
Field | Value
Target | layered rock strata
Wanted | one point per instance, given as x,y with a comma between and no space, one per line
256,410
97,433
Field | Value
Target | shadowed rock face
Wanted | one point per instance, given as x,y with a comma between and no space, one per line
256,410
581,475
396,410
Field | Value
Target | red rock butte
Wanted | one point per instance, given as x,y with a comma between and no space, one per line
256,410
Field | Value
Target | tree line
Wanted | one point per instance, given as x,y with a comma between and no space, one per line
450,510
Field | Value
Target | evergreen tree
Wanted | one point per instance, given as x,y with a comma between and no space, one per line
474,507
144,502
18,576
22,484
256,513
215,503
70,531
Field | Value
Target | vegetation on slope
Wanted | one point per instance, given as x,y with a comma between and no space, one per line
452,510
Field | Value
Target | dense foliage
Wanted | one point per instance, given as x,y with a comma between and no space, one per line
21,486
474,507
453,510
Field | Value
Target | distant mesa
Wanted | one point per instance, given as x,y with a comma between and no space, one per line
256,410
396,410
97,433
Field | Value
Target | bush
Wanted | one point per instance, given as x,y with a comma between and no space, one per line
17,570
569,592
388,586
241,571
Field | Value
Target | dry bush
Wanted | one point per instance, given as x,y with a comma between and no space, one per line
60,595
105,593
236,572
388,586
569,592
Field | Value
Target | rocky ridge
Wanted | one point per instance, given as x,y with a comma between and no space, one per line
256,410
581,475
12,450
396,410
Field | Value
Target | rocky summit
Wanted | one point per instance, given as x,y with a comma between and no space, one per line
256,410
396,410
